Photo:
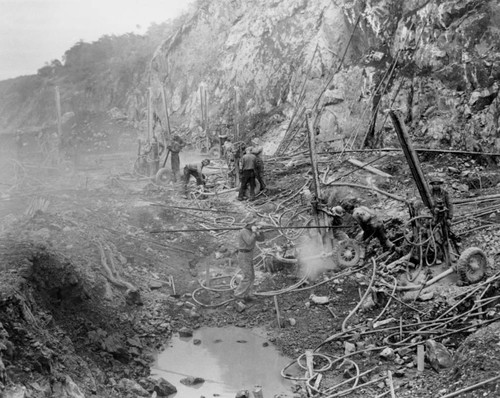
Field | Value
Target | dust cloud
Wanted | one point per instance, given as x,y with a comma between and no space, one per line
312,259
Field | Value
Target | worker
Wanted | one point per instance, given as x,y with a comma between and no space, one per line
259,167
195,170
175,147
248,162
440,197
248,236
336,214
369,222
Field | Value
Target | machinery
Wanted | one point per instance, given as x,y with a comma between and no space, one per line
430,235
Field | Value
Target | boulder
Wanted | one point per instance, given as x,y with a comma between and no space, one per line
130,386
160,386
438,355
388,354
192,381
185,332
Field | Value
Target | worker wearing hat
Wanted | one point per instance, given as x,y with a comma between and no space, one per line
247,238
175,147
370,223
195,170
440,198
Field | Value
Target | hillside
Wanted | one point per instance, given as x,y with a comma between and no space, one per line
369,282
256,67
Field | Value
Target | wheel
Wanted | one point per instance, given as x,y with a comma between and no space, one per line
471,266
347,253
162,176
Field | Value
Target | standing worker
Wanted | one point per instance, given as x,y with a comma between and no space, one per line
175,147
247,238
248,162
441,197
195,170
259,167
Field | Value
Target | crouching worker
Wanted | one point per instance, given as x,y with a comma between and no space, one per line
247,238
195,170
369,222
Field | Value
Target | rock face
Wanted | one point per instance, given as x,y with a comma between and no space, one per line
255,66
437,61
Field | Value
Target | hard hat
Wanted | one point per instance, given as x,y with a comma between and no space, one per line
337,211
436,181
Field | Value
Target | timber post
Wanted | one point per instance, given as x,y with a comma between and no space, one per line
314,165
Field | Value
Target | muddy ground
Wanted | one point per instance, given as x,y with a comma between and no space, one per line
88,293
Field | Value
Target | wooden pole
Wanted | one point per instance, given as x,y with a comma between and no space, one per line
59,123
470,388
150,114
165,108
278,317
420,358
206,119
412,159
207,274
391,384
314,166
236,115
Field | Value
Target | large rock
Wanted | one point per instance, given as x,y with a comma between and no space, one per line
161,386
438,355
130,386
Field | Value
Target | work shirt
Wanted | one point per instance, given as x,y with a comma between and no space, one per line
175,147
197,167
445,198
365,217
248,162
247,239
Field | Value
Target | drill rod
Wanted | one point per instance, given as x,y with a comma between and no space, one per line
159,231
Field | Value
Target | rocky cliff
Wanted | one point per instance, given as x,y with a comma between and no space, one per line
253,68
436,61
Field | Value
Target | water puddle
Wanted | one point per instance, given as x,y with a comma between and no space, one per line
229,359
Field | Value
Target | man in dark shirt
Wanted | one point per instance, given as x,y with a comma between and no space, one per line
175,147
195,170
248,162
440,197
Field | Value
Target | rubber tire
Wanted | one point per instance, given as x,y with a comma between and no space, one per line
343,245
463,263
162,176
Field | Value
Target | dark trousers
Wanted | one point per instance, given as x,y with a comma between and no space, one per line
259,173
247,178
187,175
175,164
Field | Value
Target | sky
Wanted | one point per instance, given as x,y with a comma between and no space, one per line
34,32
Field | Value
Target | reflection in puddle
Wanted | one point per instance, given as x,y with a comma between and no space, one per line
229,359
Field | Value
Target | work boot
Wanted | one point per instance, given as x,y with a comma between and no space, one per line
252,198
240,199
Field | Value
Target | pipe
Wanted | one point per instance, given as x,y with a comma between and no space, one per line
368,291
470,388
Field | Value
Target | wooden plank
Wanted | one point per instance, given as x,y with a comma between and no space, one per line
369,168
420,358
